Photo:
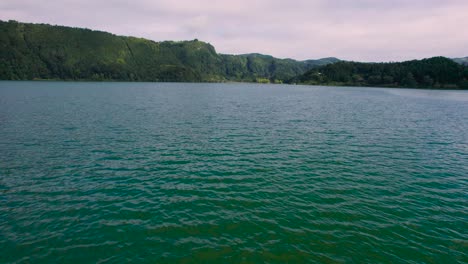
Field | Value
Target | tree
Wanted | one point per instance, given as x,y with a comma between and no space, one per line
388,80
410,81
428,81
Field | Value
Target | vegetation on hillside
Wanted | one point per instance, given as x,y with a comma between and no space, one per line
39,51
437,72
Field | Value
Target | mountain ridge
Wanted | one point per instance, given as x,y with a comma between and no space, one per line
42,51
46,52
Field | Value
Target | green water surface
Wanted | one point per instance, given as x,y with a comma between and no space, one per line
231,173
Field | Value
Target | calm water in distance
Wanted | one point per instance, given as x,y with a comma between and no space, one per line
231,173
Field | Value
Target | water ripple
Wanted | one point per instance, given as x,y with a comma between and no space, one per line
111,173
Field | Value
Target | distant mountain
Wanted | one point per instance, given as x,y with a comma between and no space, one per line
322,62
463,61
437,72
40,51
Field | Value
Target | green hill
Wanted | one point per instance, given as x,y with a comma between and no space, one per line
437,72
40,51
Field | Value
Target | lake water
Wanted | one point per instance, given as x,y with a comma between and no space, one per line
229,173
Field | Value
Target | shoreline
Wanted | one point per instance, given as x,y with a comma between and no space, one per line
237,82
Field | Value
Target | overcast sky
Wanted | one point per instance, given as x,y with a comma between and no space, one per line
361,30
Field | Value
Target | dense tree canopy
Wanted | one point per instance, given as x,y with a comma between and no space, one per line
437,72
39,51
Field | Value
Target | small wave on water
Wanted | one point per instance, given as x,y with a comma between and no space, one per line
173,173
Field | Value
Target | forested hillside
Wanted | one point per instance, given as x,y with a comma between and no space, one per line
45,52
437,72
39,51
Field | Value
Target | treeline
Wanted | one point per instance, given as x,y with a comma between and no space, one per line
437,72
39,51
45,52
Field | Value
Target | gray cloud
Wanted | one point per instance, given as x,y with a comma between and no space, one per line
363,30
